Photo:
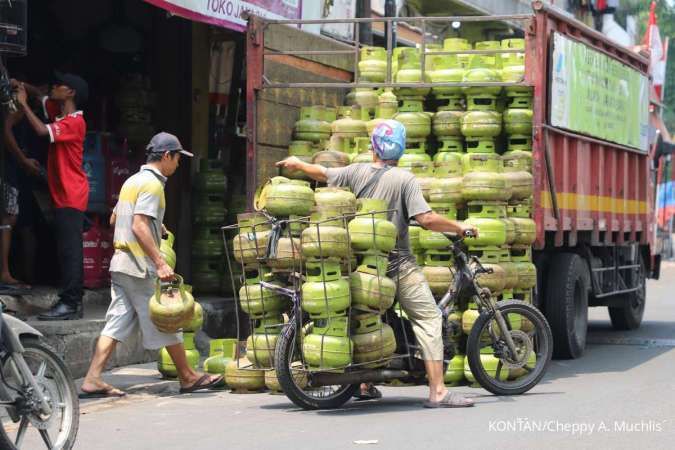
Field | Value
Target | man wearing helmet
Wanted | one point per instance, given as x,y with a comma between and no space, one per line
381,179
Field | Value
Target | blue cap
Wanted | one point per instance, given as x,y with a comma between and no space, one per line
388,140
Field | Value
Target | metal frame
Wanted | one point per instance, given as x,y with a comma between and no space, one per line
388,21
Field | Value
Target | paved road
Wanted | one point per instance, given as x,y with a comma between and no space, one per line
615,397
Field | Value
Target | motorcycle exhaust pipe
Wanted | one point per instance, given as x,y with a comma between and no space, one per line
357,377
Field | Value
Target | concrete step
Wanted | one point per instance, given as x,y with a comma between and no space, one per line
75,340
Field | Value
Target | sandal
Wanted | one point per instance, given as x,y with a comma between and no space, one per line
451,400
371,393
110,392
201,384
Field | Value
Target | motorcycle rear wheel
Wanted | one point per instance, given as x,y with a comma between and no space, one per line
326,397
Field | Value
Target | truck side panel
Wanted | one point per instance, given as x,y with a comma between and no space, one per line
583,185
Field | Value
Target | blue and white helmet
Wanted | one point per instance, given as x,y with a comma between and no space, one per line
388,140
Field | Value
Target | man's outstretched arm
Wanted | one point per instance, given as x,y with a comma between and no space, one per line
315,171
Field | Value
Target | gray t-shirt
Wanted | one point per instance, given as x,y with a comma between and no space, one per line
398,187
142,193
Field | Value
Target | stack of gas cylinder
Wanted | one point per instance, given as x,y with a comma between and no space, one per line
208,216
341,248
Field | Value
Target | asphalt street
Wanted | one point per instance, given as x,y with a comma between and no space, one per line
620,395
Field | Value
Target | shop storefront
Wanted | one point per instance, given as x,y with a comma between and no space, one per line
147,71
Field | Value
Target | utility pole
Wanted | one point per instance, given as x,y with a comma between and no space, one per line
390,11
364,10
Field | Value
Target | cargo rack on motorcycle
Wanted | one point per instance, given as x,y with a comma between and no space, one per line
258,273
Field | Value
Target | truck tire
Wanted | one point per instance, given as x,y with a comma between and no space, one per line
566,305
629,316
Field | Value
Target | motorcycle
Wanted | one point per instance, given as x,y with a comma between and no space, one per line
508,348
36,390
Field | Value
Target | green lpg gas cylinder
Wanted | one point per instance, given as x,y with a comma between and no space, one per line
409,71
241,376
257,300
328,347
195,322
325,293
446,69
446,190
518,121
167,368
481,124
490,232
489,363
288,255
211,177
418,163
438,278
284,197
207,275
339,199
209,209
370,288
448,164
485,186
171,306
373,341
447,123
312,125
373,64
489,259
167,251
207,242
262,342
454,374
417,124
526,230
369,233
221,352
325,241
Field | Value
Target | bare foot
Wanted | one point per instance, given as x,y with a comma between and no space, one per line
10,280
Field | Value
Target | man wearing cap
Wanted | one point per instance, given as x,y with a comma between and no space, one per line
68,184
382,180
135,267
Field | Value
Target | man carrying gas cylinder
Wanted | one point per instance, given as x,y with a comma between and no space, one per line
134,269
381,179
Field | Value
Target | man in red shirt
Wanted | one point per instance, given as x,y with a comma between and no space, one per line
67,181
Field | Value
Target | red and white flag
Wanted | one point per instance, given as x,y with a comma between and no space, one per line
658,51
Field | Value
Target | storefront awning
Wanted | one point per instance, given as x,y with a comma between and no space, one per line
228,13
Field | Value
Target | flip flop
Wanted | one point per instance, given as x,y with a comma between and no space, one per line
102,393
17,284
372,393
451,400
201,384
13,290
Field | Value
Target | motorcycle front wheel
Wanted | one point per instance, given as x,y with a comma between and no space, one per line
491,363
34,430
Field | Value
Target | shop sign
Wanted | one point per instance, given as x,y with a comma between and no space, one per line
228,13
596,95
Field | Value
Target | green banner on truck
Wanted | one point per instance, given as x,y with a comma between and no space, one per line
593,94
